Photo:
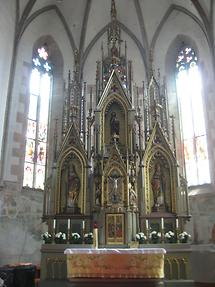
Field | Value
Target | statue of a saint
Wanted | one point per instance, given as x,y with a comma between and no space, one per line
132,195
98,193
157,187
114,125
73,187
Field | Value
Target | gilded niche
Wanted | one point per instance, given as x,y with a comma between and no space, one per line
71,184
160,185
114,124
115,188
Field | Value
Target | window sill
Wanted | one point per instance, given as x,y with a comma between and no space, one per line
204,189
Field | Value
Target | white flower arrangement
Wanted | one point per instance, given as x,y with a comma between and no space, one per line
88,238
60,237
140,236
155,236
184,237
75,235
170,236
47,237
75,238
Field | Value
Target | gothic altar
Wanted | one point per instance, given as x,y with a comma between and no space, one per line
116,167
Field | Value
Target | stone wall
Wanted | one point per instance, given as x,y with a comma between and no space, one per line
20,225
202,202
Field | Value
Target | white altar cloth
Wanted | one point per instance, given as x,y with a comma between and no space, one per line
115,263
114,251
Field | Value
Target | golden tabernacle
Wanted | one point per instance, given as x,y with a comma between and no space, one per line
115,263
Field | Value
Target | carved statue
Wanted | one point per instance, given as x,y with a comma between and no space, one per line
114,125
114,194
132,195
73,187
131,185
98,194
157,187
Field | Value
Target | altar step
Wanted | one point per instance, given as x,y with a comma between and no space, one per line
117,283
100,282
179,283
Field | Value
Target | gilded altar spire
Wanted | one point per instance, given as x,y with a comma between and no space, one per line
114,30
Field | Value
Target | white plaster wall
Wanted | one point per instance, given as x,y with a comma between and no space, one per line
7,25
34,31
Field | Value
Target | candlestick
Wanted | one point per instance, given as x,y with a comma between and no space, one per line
147,224
176,223
162,223
95,238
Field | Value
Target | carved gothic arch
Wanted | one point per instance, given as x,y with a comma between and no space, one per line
72,157
159,156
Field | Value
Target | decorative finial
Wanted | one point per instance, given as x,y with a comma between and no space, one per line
76,59
113,10
114,30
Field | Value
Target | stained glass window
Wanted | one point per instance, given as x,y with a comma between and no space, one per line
189,90
36,136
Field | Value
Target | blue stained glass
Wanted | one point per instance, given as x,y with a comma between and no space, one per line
41,62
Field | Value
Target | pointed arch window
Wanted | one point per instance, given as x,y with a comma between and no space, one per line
189,90
37,122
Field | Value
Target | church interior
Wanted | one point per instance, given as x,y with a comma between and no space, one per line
107,142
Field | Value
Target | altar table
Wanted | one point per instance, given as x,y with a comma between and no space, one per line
115,263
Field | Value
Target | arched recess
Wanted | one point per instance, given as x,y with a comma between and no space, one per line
114,103
115,183
56,59
71,159
159,156
170,71
204,62
160,163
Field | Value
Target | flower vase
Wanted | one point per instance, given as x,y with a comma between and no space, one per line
60,241
185,240
88,241
48,241
75,241
154,241
141,241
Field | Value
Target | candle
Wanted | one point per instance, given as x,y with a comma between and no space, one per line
95,237
147,224
83,224
176,223
54,223
68,224
162,223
